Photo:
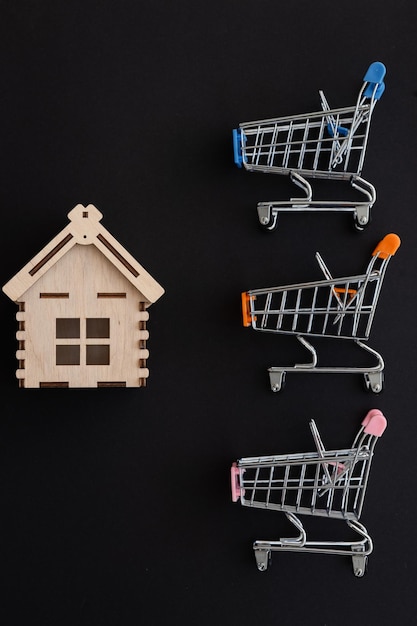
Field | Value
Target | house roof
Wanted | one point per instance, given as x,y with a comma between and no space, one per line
84,228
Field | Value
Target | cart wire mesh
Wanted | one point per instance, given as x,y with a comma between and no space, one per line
326,483
325,144
334,307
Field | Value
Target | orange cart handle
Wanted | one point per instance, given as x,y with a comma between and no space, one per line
388,246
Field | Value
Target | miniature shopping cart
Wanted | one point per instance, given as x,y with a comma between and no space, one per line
339,308
330,143
326,483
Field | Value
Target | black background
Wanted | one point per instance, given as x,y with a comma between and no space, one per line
115,504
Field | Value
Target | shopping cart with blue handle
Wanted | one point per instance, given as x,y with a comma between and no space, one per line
329,144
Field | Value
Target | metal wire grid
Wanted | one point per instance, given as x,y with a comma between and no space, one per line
318,309
342,307
329,486
327,144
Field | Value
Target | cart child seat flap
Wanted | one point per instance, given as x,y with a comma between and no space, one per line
388,246
374,423
340,130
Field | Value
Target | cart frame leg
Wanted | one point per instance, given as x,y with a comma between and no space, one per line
268,211
373,376
358,550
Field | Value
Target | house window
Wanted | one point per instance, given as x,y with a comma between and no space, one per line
67,355
67,328
69,351
98,355
98,327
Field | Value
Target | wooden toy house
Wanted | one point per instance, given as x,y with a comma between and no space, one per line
82,310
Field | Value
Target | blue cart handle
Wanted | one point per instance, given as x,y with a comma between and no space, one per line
375,78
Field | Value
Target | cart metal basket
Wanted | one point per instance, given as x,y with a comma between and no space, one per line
339,308
330,144
325,483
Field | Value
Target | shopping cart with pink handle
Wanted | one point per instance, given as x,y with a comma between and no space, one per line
324,483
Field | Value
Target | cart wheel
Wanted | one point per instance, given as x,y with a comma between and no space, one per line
359,565
374,381
277,380
262,559
268,218
273,223
361,222
360,227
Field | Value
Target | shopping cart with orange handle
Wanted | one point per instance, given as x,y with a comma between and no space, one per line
339,308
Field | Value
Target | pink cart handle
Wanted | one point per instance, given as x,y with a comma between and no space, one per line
234,480
374,423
